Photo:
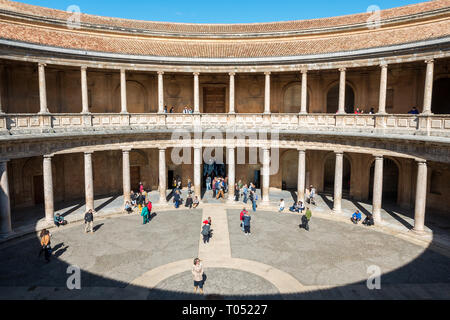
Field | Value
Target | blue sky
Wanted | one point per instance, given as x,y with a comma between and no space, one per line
228,11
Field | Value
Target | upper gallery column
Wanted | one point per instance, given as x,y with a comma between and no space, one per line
198,171
428,87
84,90
42,89
162,176
338,182
421,196
1,87
383,88
377,189
88,181
301,175
303,108
342,76
123,91
5,208
232,74
231,173
266,175
196,93
160,91
126,175
48,188
267,94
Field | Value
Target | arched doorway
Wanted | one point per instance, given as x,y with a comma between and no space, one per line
390,181
292,98
289,167
333,99
441,96
329,173
136,97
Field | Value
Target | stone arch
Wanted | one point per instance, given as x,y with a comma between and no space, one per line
391,180
138,162
137,100
33,181
328,166
289,169
292,94
332,97
441,95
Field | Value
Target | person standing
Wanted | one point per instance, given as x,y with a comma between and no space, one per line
253,200
177,199
197,272
243,212
189,185
237,191
247,219
282,206
305,219
141,187
220,188
214,185
206,231
208,183
89,222
245,193
45,245
145,214
189,202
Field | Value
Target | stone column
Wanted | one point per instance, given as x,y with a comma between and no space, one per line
266,175
5,208
232,74
162,176
1,88
48,189
421,197
267,94
42,89
338,182
123,91
428,95
303,109
383,88
341,109
126,175
196,93
301,175
160,91
231,173
84,91
88,181
198,171
377,189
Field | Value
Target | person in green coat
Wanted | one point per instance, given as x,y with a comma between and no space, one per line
145,214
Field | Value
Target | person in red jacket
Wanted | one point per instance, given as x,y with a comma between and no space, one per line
149,207
243,212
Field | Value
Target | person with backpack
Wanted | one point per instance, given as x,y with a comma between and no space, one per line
206,229
247,219
305,219
145,215
89,221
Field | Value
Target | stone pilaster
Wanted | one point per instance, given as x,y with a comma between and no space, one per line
266,175
421,197
337,206
48,188
342,80
383,89
303,108
42,89
126,175
160,91
123,91
196,93
162,176
1,88
84,91
198,171
377,189
267,94
232,94
88,181
301,175
231,172
428,95
5,207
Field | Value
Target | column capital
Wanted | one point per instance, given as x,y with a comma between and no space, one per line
126,150
428,61
383,65
88,152
83,68
196,74
160,73
303,71
162,149
421,162
42,64
378,156
232,74
342,69
123,70
48,156
339,153
301,150
197,147
268,73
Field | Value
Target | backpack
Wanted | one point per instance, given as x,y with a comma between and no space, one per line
205,230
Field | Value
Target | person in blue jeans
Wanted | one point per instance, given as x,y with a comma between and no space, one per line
177,199
245,193
247,219
253,200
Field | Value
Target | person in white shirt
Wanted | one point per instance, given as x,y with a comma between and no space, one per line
281,205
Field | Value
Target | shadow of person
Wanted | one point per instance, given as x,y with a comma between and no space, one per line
153,215
58,246
97,227
204,278
60,252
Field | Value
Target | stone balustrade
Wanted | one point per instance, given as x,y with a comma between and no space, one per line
425,125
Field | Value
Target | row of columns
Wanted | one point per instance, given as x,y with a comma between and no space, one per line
420,203
267,110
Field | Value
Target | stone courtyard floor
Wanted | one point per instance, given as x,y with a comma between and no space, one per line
124,259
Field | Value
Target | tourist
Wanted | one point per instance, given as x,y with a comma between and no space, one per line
197,272
141,187
252,187
172,110
208,183
165,109
357,111
133,198
189,201
140,201
206,229
196,202
253,198
243,212
145,215
177,199
356,217
59,220
281,205
372,111
247,219
225,184
89,221
312,194
368,221
245,193
237,192
214,185
128,207
45,245
149,207
189,185
220,188
301,207
240,184
305,219
413,111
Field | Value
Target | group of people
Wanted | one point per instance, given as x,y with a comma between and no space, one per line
192,201
186,110
361,111
368,221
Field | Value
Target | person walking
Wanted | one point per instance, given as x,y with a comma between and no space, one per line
206,231
243,212
245,193
145,213
237,191
305,219
45,245
197,273
89,222
247,219
253,200
177,199
220,188
312,194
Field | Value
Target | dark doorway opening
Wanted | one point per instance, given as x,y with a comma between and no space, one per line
390,181
441,96
333,99
38,187
135,177
170,177
329,173
214,99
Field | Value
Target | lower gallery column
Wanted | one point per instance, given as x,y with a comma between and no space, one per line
377,189
338,182
231,173
301,175
88,181
5,208
126,175
266,175
197,171
162,176
48,188
421,197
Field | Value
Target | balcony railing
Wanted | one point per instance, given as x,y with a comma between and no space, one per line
432,125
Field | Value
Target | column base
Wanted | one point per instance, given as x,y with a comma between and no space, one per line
336,211
418,232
